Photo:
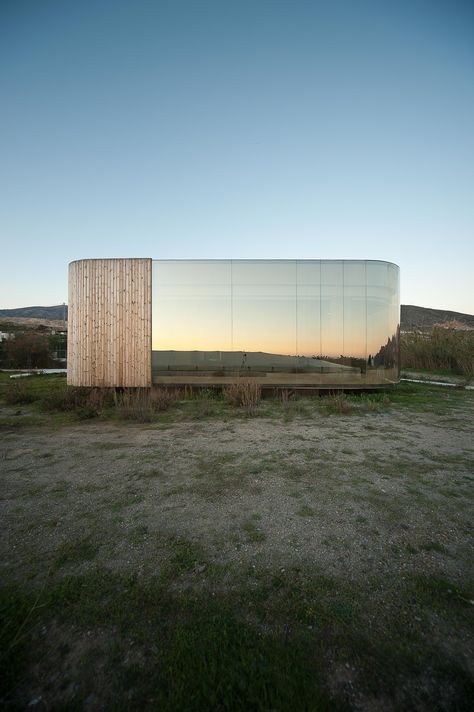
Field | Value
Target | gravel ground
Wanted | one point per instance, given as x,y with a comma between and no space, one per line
372,500
352,494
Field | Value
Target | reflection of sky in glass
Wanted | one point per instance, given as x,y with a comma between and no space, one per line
308,308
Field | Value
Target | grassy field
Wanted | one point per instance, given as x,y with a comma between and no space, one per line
301,554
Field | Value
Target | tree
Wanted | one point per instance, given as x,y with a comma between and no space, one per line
27,350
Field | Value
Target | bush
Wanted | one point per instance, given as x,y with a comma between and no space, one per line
141,404
18,393
338,403
243,393
27,350
163,398
84,402
443,349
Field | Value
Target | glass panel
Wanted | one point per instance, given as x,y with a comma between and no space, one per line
394,320
308,319
378,303
308,275
355,316
306,322
264,318
332,311
191,316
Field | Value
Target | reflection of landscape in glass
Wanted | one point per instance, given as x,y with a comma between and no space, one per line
312,321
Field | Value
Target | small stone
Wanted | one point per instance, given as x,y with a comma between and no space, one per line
35,701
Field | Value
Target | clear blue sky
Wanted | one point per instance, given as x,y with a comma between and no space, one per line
238,129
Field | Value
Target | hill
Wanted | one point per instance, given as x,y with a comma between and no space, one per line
415,318
54,313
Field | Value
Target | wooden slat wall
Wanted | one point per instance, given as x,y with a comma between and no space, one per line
109,324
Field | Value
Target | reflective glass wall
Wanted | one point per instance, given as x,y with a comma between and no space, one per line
282,322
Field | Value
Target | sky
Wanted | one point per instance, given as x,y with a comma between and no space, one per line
249,129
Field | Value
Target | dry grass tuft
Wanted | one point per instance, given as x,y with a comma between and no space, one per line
246,394
84,402
17,393
141,404
339,404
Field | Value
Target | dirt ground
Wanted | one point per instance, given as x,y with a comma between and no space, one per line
371,500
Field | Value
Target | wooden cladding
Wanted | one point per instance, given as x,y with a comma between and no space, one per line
109,329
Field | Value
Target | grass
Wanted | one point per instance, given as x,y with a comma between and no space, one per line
47,400
434,546
253,533
128,501
74,552
305,511
196,652
190,632
274,641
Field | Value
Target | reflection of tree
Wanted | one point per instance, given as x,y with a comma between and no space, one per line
388,356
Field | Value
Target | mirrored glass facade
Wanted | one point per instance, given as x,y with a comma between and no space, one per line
281,322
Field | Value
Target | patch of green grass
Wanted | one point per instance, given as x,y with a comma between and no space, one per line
104,445
138,534
196,652
184,556
449,492
154,473
71,552
296,494
128,501
425,398
253,533
60,490
217,475
90,487
270,641
441,595
305,511
434,546
17,614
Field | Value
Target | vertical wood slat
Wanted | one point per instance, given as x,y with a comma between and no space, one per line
109,327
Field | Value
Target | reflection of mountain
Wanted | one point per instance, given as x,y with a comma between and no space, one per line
241,361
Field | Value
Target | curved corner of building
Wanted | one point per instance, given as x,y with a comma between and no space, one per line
109,329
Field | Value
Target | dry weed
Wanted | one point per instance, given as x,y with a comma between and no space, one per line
246,394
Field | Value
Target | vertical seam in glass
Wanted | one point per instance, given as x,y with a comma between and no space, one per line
296,308
320,312
366,315
343,304
231,306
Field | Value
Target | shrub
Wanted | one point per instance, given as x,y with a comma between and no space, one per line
338,403
243,393
163,398
442,349
84,402
27,350
134,404
18,393
141,404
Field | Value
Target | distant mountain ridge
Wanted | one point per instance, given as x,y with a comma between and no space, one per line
54,313
415,318
412,317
